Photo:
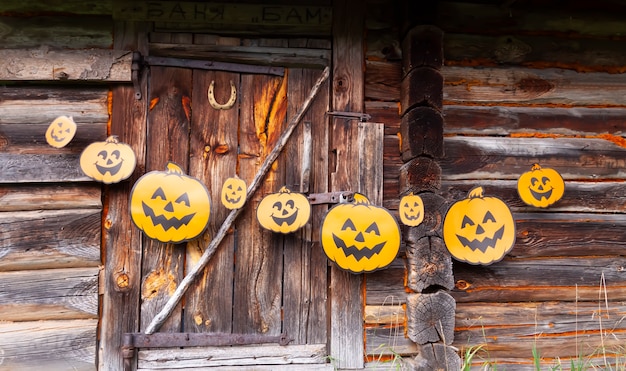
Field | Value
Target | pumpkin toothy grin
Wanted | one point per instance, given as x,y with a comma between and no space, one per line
289,220
540,195
112,170
484,244
164,222
412,217
358,254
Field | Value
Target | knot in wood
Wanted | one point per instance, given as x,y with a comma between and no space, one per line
462,285
122,281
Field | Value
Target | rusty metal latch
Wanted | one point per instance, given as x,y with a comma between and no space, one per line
362,117
330,197
135,73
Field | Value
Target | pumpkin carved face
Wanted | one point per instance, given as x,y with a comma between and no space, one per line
61,131
170,206
478,229
234,193
540,187
283,212
360,237
411,210
109,161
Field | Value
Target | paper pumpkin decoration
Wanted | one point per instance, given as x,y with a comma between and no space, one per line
170,206
360,237
479,229
411,210
540,187
61,131
109,161
234,193
283,212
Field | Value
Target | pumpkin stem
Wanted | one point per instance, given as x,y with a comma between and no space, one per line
535,167
284,189
476,192
360,199
112,139
173,168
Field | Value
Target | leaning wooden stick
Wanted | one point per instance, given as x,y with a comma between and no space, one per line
158,320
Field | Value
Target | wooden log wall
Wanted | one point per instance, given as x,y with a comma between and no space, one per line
50,213
512,99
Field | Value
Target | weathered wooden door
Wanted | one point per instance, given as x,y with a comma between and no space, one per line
257,282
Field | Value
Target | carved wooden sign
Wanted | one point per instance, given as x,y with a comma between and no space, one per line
311,18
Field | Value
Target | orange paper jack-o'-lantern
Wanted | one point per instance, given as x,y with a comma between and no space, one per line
109,161
170,206
479,229
411,210
540,187
360,237
61,131
283,212
234,193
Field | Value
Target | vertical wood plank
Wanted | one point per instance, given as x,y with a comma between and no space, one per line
209,302
258,268
167,140
346,337
304,292
121,240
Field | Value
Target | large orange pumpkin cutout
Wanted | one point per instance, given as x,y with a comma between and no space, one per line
61,131
234,193
411,210
170,206
479,229
360,237
109,161
283,212
540,187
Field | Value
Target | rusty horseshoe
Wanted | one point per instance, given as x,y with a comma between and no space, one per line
231,100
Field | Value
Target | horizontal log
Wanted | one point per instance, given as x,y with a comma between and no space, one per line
506,85
487,19
429,264
28,197
546,121
41,105
578,54
541,279
55,345
431,317
267,56
44,64
16,168
386,287
49,294
49,239
391,313
421,132
422,86
388,341
387,112
188,358
31,139
566,330
507,158
549,86
422,47
58,31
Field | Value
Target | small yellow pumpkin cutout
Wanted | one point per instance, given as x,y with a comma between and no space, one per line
61,131
170,206
479,229
540,187
234,192
360,237
283,212
109,161
411,210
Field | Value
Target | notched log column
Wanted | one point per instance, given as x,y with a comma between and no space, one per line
430,308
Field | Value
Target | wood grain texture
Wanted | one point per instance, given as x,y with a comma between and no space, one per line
429,265
44,64
430,317
49,294
28,197
49,239
346,297
58,345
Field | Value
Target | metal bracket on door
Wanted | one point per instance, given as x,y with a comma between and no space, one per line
135,73
331,197
362,117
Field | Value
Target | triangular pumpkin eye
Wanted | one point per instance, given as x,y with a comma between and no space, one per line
158,194
373,228
348,225
489,217
184,198
466,221
545,180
